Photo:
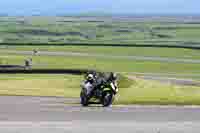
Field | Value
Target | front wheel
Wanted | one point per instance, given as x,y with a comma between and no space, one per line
84,99
107,98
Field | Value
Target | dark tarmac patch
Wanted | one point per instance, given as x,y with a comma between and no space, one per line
13,70
11,66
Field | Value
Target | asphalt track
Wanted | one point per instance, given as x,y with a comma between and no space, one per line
141,58
20,114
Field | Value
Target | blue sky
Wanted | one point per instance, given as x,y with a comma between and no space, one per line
53,7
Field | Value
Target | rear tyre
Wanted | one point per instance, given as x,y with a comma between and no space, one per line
84,99
107,98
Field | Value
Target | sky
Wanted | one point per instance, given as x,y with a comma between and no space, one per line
56,7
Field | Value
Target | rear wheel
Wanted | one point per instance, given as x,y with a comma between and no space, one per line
107,98
84,99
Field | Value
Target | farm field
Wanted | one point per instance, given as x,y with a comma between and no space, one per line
69,30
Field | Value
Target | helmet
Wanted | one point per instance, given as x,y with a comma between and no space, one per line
90,77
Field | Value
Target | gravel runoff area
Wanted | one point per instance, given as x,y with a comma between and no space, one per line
24,114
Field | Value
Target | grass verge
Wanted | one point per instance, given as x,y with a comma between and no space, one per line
102,64
136,91
40,85
126,51
154,93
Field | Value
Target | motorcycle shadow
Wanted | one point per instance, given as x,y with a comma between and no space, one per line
96,105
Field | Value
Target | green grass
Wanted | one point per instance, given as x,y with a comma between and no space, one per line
118,65
135,91
40,85
127,51
13,30
152,92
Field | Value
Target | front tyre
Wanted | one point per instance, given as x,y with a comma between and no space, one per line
107,98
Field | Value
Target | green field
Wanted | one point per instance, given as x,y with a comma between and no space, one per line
118,65
125,51
79,30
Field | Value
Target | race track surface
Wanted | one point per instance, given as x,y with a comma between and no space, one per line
58,115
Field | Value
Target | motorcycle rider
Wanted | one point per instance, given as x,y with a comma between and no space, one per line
90,78
28,63
102,79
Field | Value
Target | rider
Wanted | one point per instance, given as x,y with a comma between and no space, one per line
90,78
102,79
28,63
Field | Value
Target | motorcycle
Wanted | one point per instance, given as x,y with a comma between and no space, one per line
104,94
